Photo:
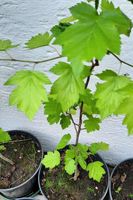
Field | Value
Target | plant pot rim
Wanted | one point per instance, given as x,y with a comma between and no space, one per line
25,198
112,173
107,173
39,166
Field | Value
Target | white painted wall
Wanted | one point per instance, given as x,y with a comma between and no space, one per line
21,19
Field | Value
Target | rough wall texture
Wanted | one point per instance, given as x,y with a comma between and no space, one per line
21,19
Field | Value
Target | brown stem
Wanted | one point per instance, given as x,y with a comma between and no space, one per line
96,63
29,61
73,123
122,61
6,159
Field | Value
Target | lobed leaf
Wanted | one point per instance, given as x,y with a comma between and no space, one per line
101,32
51,160
100,146
96,170
92,124
107,94
29,92
67,88
39,40
6,44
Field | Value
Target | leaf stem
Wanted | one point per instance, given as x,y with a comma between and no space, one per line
120,60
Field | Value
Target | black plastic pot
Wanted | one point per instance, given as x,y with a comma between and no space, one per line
42,173
113,173
25,188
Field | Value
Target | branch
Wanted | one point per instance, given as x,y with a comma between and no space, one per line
94,64
30,61
73,122
121,61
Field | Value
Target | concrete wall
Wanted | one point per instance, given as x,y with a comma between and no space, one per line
21,19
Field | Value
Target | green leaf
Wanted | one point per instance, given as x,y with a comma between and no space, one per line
82,162
120,20
106,75
58,29
100,35
64,141
96,170
52,119
29,92
78,153
82,149
53,109
4,136
65,121
100,146
51,160
89,106
6,44
107,94
70,153
126,108
92,124
39,40
67,88
60,67
70,166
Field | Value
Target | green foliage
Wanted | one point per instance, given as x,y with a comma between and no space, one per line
96,170
65,121
70,166
29,92
67,87
100,146
53,109
39,40
51,160
121,21
4,138
126,107
6,44
58,29
101,32
77,153
64,141
92,124
89,101
107,94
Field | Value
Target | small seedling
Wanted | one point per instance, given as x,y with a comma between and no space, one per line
119,189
